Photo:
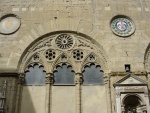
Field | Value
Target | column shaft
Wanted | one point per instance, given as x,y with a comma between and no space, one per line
78,92
19,93
48,99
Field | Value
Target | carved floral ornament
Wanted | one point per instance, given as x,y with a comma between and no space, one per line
68,48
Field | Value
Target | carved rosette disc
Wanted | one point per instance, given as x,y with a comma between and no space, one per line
77,54
122,26
50,54
64,41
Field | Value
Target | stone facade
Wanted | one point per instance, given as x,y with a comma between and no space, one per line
29,35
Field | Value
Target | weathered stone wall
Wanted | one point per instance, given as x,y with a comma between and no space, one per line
64,99
91,17
33,99
95,101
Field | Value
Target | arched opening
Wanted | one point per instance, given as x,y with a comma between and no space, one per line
92,75
33,90
62,90
64,75
131,103
35,75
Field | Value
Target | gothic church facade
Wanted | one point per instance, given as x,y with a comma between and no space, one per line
74,56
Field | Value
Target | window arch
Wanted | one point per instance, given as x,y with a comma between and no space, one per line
64,75
92,74
131,103
56,50
35,75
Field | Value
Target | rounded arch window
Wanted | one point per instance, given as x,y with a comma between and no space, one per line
55,54
81,51
131,103
64,75
92,74
35,75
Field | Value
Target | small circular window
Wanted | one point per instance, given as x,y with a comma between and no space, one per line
9,24
122,26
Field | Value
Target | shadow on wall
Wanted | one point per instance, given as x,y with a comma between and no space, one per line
34,91
33,99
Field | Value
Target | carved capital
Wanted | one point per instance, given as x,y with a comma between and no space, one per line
21,78
78,78
49,79
106,79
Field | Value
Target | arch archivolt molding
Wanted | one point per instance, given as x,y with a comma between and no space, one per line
147,60
142,102
63,48
69,48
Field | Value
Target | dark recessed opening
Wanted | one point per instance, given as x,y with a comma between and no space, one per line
127,68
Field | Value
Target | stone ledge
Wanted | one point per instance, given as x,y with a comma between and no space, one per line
9,74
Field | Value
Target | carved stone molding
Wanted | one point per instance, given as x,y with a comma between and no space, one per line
78,78
106,79
147,59
21,78
130,87
49,79
117,94
63,48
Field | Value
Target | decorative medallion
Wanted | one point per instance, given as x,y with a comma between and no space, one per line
77,54
36,57
64,41
122,26
92,57
50,54
9,24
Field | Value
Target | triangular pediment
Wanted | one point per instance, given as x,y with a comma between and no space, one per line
131,79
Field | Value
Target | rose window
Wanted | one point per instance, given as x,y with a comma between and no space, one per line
50,54
64,41
78,54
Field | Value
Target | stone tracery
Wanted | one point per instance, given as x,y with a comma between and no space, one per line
78,49
64,41
66,53
50,54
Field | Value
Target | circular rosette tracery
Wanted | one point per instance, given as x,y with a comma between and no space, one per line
64,41
50,54
78,54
